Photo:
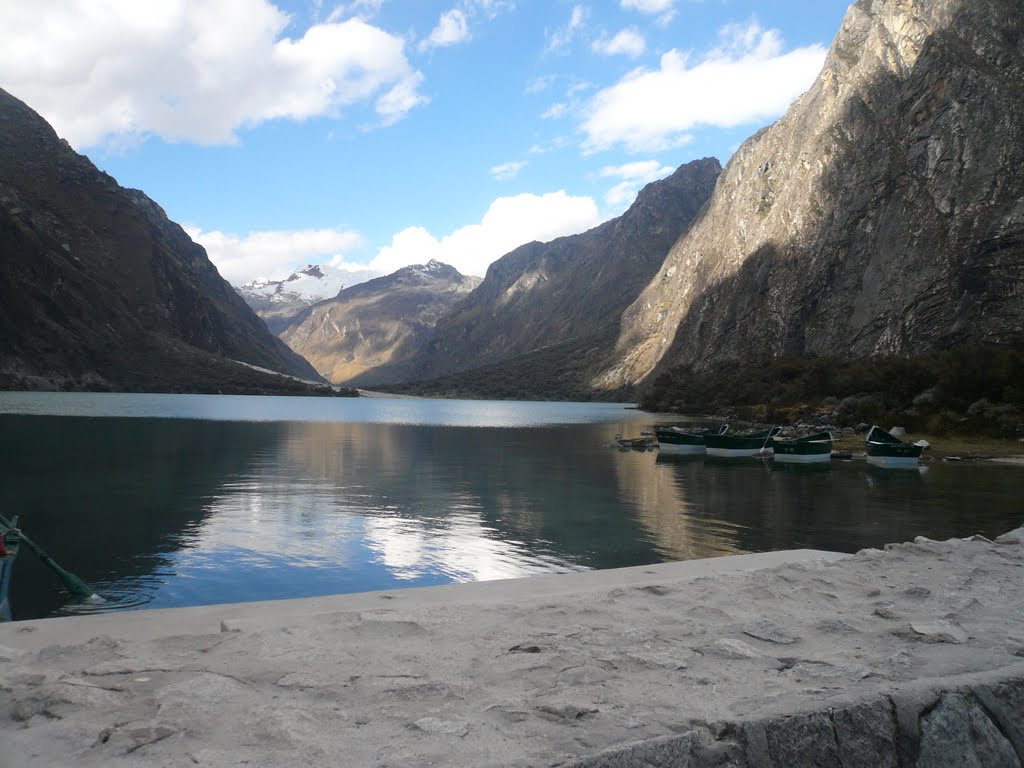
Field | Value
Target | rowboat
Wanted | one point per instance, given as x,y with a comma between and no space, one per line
885,450
11,544
678,440
732,446
810,449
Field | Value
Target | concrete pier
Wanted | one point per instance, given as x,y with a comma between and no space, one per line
909,656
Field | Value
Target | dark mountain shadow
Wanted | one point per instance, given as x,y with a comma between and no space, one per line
100,290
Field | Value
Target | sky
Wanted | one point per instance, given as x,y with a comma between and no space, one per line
382,133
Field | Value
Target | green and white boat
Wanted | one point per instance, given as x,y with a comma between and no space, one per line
11,543
888,451
734,446
810,449
678,440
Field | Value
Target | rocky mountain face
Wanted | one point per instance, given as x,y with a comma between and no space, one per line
883,214
368,333
572,288
98,289
279,302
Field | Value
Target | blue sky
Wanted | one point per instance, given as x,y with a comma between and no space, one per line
389,132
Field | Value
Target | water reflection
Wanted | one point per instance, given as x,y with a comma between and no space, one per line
167,512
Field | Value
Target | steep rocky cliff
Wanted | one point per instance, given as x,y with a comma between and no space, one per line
368,333
99,289
573,287
883,214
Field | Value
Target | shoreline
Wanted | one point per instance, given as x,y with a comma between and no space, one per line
604,668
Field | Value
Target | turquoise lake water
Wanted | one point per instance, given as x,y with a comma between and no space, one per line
175,500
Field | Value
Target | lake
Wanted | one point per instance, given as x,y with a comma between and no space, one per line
176,500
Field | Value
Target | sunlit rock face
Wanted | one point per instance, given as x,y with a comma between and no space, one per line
883,214
367,333
99,289
573,287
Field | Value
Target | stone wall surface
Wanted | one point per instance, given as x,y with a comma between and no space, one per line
911,656
974,720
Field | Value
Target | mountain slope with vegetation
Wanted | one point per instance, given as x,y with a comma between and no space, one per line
100,290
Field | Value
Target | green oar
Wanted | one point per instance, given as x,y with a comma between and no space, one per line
74,584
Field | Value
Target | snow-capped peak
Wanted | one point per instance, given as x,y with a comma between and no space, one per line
308,284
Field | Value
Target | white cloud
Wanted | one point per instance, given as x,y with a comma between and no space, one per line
633,175
363,9
403,96
572,103
507,171
273,254
556,110
192,71
747,79
508,223
491,8
551,145
642,170
648,6
539,84
577,88
664,9
627,41
560,39
452,28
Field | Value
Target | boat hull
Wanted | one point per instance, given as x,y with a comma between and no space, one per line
734,446
812,449
781,455
681,449
677,441
738,453
893,462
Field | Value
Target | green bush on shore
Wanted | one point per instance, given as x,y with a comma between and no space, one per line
972,389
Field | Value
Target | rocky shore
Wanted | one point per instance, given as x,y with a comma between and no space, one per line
911,656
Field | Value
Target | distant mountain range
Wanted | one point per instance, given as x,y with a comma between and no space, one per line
368,333
99,290
279,301
882,215
428,321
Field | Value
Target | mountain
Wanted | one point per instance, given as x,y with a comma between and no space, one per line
100,290
574,288
367,333
278,302
882,215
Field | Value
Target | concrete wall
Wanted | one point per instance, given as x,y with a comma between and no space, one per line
970,721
